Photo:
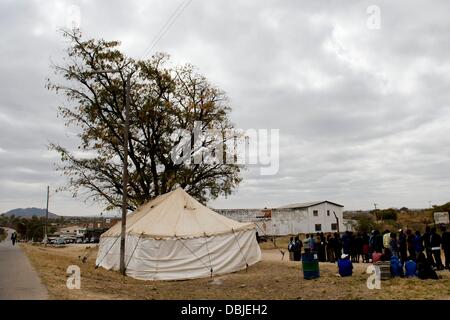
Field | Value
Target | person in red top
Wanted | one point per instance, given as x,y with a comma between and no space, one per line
376,256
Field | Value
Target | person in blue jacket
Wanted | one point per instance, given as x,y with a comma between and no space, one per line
345,266
396,267
418,243
410,268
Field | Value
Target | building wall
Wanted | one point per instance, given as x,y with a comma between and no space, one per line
288,221
325,217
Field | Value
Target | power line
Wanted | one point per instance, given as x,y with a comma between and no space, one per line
161,33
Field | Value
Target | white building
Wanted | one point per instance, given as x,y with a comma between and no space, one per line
310,217
72,231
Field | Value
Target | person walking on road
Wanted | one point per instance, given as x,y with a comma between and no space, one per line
13,238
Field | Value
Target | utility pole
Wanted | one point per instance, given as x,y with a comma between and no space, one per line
125,176
125,165
46,216
375,212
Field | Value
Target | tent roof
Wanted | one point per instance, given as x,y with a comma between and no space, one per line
176,214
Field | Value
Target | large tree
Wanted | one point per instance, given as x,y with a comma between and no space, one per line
164,100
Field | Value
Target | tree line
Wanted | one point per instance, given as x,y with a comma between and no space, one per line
27,229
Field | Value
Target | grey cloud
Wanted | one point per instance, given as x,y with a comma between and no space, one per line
363,115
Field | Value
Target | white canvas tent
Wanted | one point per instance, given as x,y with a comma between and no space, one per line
176,237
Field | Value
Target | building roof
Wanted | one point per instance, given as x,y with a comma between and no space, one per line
307,204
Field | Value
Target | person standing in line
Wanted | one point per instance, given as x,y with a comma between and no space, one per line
346,242
402,246
435,243
393,244
427,245
323,248
378,242
410,244
353,252
317,245
365,248
306,244
359,247
297,249
337,246
418,243
330,248
446,246
312,243
291,247
371,244
386,238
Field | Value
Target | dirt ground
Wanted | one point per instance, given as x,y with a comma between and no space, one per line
272,278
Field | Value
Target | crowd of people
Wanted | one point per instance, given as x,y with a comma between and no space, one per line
409,252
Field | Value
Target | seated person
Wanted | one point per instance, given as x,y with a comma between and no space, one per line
376,256
410,267
424,268
396,267
345,266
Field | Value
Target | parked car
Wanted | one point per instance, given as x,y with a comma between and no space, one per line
86,240
60,241
79,240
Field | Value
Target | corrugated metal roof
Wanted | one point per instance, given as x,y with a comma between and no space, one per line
307,204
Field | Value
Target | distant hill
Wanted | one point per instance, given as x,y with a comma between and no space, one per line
29,212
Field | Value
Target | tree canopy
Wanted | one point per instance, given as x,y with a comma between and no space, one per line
164,100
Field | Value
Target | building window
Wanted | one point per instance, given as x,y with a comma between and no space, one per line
318,227
328,212
315,213
334,226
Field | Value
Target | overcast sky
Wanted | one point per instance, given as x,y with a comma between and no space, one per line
363,113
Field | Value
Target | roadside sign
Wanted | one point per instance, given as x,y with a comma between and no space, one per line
441,218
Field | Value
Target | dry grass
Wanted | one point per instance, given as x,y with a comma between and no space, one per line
271,278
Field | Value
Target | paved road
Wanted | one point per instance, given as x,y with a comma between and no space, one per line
18,280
